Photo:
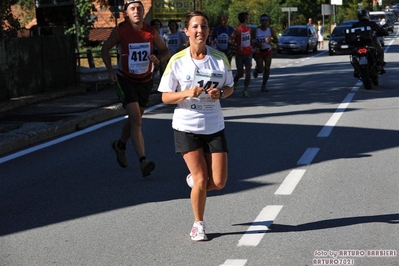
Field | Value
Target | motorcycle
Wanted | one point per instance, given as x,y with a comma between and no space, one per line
365,62
364,58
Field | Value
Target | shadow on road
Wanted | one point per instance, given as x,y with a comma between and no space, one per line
55,189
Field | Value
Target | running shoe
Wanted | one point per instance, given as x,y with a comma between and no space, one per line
189,180
245,94
255,73
120,154
198,231
146,167
235,86
264,88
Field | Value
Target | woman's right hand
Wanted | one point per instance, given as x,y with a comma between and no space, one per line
195,91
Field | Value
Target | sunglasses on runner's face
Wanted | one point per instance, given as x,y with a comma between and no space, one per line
131,2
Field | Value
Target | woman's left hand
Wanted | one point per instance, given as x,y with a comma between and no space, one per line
214,93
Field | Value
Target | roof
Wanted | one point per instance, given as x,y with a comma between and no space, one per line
99,34
301,26
343,26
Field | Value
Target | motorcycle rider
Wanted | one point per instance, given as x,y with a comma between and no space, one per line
364,20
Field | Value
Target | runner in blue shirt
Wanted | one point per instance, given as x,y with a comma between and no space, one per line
221,35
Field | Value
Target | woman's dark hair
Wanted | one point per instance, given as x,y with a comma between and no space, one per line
152,23
192,14
242,16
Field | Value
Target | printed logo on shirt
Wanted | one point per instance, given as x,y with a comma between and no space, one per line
138,46
208,75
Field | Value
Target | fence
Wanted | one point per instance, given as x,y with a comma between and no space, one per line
36,64
93,76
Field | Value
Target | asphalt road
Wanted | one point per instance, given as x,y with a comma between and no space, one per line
313,179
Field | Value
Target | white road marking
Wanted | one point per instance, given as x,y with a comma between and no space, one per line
308,156
234,263
290,182
257,230
326,130
69,136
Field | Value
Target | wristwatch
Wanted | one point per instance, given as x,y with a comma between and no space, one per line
221,93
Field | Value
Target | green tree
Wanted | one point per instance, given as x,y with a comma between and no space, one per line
85,20
214,9
258,7
28,8
9,24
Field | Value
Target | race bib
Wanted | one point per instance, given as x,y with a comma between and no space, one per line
138,57
223,41
261,38
245,39
173,43
206,79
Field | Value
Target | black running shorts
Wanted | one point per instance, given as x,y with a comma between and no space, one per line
134,91
212,143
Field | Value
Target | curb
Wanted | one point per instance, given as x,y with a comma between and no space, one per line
15,103
34,133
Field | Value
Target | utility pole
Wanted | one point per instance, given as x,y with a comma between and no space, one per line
116,6
289,9
75,11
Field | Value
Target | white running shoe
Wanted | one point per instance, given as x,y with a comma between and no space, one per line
198,232
189,180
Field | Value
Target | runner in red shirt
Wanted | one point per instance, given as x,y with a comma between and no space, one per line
133,77
241,39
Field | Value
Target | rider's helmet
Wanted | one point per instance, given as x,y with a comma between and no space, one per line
363,14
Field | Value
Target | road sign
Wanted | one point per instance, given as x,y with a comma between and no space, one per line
336,2
288,9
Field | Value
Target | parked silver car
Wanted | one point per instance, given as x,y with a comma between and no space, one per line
298,38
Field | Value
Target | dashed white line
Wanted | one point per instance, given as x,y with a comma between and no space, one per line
260,226
326,130
308,156
290,182
234,263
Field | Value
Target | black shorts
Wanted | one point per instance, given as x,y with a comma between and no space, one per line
185,142
134,91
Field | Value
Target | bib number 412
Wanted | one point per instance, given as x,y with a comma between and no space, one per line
139,56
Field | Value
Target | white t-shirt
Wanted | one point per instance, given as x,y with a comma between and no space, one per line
261,36
200,115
